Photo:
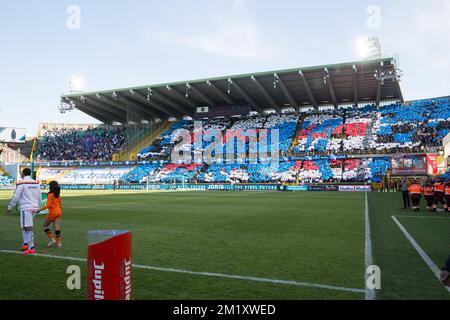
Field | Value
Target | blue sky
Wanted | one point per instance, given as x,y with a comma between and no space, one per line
134,42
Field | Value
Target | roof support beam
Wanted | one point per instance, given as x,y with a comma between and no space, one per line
286,91
163,98
101,110
138,108
107,107
119,104
378,93
379,83
331,87
204,97
181,96
249,99
355,85
266,94
222,94
165,110
309,91
85,108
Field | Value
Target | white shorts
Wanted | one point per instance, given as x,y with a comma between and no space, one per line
26,219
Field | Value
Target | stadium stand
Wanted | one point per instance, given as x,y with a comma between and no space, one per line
140,173
5,180
341,139
368,130
95,144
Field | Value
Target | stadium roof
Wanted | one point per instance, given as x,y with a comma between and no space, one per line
347,83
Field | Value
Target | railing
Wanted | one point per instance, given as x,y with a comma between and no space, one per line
297,134
35,145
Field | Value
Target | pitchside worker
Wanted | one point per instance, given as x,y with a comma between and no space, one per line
447,194
439,196
28,196
405,194
429,194
415,190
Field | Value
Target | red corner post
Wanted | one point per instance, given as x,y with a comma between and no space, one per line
109,266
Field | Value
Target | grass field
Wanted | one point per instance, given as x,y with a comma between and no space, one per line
314,242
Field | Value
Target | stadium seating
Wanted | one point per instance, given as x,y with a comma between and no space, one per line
177,173
6,180
140,173
378,168
164,144
316,132
95,144
422,123
322,136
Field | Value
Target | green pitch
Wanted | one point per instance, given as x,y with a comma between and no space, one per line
313,242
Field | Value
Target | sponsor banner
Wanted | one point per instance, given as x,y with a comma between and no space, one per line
363,188
91,164
212,187
103,187
331,188
12,135
355,188
106,175
315,188
46,175
109,265
432,164
294,188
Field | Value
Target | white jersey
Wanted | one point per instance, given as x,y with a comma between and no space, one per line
27,195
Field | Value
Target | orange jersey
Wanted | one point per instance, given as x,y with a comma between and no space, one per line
429,190
447,190
439,187
415,189
54,207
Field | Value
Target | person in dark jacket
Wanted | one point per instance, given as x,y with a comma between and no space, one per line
405,193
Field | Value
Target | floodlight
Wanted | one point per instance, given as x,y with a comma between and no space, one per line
77,83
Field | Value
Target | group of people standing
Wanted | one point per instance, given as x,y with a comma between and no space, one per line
435,192
28,197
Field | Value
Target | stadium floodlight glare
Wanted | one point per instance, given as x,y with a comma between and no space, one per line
369,48
77,83
363,47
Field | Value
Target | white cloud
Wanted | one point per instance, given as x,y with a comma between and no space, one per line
235,34
423,40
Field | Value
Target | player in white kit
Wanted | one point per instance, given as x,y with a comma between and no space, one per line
28,196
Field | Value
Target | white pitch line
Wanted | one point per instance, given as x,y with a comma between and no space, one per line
369,293
210,274
433,267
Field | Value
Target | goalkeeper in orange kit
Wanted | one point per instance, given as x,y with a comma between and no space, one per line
54,215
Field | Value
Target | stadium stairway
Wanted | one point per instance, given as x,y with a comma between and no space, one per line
369,132
297,133
146,138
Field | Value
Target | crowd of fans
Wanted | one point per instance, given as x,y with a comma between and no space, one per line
93,144
286,124
414,126
387,130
